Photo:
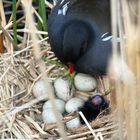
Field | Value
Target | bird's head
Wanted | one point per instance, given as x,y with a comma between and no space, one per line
98,102
76,40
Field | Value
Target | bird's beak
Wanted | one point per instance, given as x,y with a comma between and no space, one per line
71,68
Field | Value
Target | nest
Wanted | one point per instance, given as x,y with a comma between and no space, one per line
21,112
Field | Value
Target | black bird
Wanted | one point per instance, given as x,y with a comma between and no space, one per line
80,34
93,107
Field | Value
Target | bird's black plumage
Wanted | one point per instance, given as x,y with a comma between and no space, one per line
92,108
79,33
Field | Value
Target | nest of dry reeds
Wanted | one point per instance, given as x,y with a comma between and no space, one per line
20,111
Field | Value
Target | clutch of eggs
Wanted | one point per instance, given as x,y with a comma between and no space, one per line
64,101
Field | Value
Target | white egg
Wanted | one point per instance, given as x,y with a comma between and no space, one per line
39,90
73,104
48,116
62,88
60,105
74,123
85,82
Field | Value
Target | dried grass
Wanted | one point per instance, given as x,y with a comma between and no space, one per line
20,112
125,20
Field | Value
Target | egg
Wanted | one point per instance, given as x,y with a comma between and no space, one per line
62,88
74,123
73,104
60,105
85,82
40,91
48,116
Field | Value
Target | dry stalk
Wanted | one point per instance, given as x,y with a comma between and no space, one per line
30,23
127,74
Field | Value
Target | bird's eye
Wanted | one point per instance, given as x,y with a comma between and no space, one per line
83,47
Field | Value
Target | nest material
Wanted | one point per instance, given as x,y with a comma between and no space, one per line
21,112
